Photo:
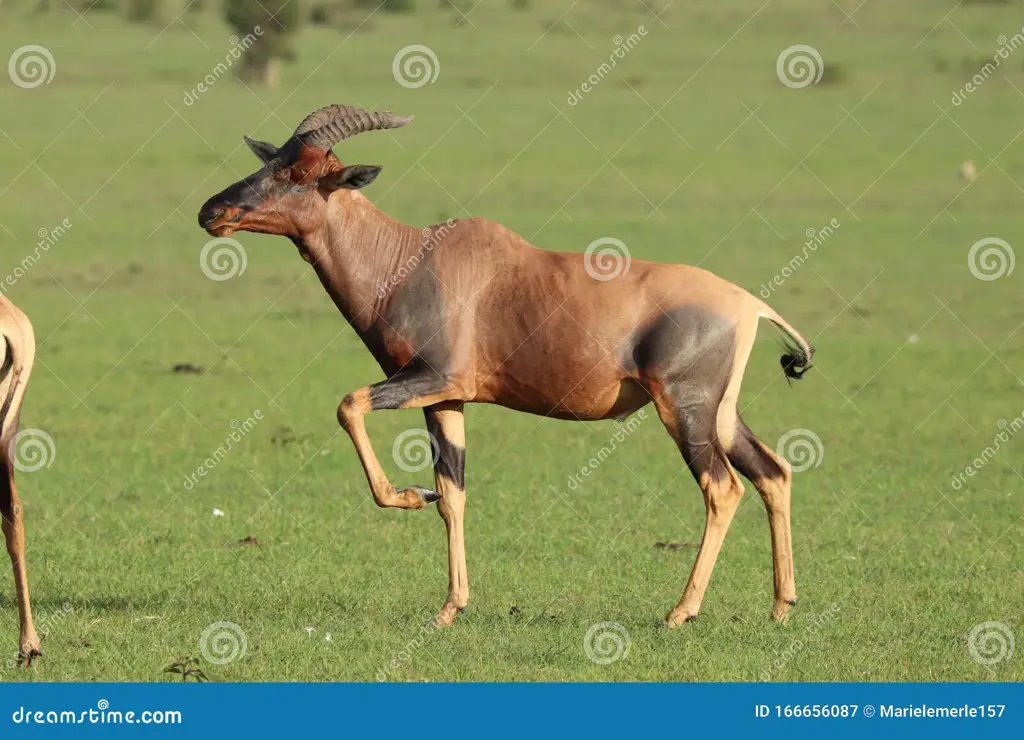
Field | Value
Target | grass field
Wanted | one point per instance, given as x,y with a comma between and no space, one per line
690,150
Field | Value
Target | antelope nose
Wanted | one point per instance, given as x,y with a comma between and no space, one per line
208,215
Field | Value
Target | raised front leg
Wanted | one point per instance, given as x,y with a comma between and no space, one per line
446,424
14,534
408,389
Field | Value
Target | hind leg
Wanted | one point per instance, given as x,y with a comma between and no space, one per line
14,533
771,475
691,421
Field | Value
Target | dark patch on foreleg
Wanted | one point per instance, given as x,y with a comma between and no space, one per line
451,457
411,387
408,384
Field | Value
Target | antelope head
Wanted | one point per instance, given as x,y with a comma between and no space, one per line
289,194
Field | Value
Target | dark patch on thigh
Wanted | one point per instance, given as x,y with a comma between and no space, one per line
451,458
688,343
749,457
696,436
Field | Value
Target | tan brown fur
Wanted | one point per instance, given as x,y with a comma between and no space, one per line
18,348
485,317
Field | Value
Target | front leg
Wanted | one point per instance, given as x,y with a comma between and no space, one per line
407,389
446,425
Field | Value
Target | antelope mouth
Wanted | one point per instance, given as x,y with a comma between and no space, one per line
221,221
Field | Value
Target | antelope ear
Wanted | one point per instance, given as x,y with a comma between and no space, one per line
262,149
354,177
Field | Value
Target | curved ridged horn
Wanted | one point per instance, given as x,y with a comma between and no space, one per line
327,126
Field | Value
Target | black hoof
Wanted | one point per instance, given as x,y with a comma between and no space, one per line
691,618
426,495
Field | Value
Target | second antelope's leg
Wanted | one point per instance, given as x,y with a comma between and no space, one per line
772,478
14,533
405,390
691,421
446,424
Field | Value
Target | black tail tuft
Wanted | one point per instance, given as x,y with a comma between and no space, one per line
796,361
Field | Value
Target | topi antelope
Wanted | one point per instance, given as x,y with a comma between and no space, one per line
19,347
469,312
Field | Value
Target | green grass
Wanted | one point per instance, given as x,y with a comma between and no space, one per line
917,360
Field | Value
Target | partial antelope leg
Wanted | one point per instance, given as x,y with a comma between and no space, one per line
18,367
14,533
691,422
446,424
407,389
772,477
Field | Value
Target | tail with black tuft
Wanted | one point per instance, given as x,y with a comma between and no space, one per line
796,358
